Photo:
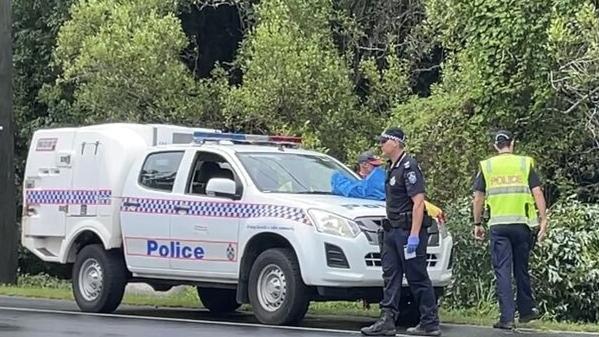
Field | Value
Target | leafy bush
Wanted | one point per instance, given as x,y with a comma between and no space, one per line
42,280
30,264
473,282
294,81
497,74
564,268
120,61
445,141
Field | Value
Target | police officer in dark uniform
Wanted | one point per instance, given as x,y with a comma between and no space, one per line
510,188
405,241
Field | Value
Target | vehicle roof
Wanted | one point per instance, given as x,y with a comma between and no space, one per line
239,148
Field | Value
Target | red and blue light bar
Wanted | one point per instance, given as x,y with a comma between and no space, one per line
202,136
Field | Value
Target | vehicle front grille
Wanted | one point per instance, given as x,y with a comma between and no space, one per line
370,226
374,260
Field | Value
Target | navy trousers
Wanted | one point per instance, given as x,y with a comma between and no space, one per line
510,250
395,266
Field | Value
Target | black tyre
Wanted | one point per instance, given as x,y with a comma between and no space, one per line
277,293
217,300
99,279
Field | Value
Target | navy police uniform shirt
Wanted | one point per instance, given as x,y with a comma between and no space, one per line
404,180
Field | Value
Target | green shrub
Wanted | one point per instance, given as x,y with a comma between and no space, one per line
30,264
42,280
120,61
564,268
473,282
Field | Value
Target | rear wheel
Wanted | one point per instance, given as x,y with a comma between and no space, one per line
99,279
217,300
276,290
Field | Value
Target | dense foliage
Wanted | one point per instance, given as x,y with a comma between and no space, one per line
450,72
565,270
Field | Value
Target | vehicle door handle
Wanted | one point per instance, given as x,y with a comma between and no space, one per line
30,211
182,209
131,204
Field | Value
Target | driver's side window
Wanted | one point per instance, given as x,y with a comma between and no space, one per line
205,167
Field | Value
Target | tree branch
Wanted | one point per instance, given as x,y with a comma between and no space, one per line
585,97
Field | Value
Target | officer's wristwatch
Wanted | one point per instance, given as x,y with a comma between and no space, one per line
477,224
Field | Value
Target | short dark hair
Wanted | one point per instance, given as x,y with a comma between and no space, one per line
503,139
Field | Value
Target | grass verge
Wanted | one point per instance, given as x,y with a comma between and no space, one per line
41,287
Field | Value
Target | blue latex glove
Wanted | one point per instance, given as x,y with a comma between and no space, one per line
413,241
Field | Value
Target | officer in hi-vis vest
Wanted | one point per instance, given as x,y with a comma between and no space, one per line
511,188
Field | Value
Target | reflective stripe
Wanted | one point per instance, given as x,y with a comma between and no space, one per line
508,190
512,219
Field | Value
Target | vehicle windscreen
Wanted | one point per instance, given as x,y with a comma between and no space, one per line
292,172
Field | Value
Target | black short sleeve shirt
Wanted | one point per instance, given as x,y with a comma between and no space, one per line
404,180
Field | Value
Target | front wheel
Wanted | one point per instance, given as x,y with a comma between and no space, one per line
277,293
99,279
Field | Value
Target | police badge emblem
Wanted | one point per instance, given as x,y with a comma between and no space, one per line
412,177
392,181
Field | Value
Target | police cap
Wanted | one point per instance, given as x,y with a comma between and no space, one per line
396,134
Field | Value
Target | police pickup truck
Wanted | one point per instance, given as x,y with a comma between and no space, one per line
244,218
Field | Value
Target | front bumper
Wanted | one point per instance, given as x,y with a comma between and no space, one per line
332,261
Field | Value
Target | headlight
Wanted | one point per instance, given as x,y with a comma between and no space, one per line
330,223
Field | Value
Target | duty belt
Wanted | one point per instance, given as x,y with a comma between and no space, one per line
404,221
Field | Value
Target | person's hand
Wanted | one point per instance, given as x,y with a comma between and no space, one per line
413,242
542,230
441,218
479,232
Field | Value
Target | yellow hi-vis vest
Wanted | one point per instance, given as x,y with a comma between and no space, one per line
508,195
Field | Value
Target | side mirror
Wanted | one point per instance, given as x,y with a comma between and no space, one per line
221,187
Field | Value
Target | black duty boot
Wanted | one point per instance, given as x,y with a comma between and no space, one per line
420,331
504,325
533,315
385,326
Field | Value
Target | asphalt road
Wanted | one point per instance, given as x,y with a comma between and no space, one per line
45,318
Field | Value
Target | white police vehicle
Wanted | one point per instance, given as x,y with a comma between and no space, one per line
245,218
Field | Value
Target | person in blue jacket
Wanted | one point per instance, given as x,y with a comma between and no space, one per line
372,184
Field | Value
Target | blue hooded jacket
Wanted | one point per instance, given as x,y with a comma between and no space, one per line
371,187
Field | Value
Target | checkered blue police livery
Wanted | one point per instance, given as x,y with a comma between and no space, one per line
154,206
214,209
68,197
